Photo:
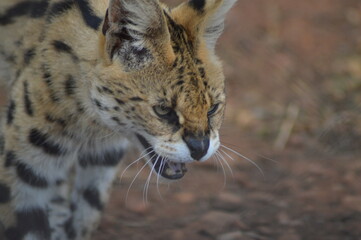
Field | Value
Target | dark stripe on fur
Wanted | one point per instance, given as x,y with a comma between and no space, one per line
88,15
69,229
70,85
27,102
48,80
53,119
120,102
178,35
41,140
9,158
30,221
11,112
100,105
117,120
29,55
39,9
2,144
27,175
4,193
137,99
61,46
59,8
108,159
92,197
34,9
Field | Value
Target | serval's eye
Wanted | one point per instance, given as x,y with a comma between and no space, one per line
213,109
162,111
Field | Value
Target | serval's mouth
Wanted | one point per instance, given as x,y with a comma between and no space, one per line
162,166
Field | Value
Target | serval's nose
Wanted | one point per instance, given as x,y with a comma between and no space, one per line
197,145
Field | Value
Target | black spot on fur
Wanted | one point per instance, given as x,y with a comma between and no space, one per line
53,119
41,140
99,89
198,61
180,77
176,49
107,159
180,82
202,72
197,4
120,102
70,85
4,193
193,81
136,99
92,197
181,70
117,120
59,8
11,112
9,158
8,56
27,102
62,47
100,105
107,90
122,86
29,55
59,182
80,107
73,206
34,9
30,221
46,73
27,175
69,229
88,15
19,42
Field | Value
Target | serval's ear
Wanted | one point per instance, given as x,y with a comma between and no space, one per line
203,19
136,33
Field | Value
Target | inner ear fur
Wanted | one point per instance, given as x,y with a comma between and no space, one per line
135,32
203,19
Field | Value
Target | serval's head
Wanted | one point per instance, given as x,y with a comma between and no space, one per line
161,79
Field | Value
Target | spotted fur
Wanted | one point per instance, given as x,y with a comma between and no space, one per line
86,78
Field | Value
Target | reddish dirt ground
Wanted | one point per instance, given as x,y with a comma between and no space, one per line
294,81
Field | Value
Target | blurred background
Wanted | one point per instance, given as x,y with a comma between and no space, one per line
294,92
